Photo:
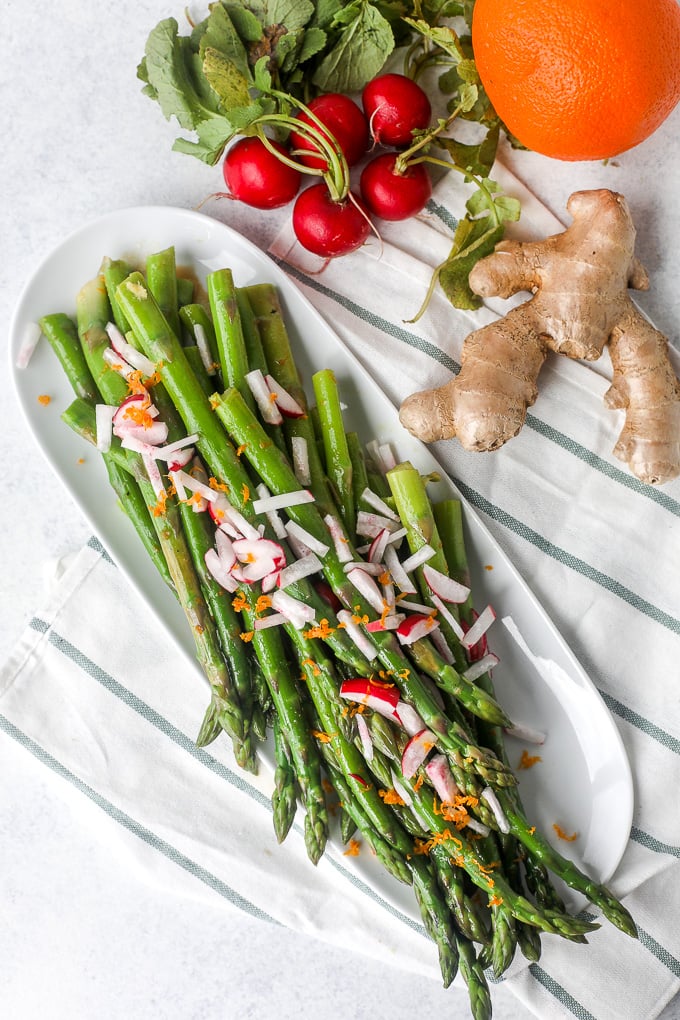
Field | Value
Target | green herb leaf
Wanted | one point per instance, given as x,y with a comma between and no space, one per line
168,66
362,48
225,78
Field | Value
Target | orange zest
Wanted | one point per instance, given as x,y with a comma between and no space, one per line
247,635
353,848
44,399
528,761
391,797
563,835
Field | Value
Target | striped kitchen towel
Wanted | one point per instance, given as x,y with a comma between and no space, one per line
116,718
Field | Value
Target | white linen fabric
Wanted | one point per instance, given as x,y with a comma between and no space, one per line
114,712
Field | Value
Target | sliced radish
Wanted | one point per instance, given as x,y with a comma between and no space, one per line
442,646
282,501
387,456
415,627
376,550
244,527
264,398
270,581
222,574
477,631
479,827
388,593
170,450
422,555
293,609
385,623
396,537
176,479
416,751
446,614
340,541
258,557
327,594
308,540
180,460
381,699
103,418
499,814
374,569
295,571
416,607
218,511
373,451
444,586
118,363
201,338
439,773
364,737
356,634
374,500
369,525
286,403
367,587
397,572
300,453
130,354
225,549
29,341
481,666
409,718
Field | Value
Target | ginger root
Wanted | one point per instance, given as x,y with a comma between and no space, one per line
579,280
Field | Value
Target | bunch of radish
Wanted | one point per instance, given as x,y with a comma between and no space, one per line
326,139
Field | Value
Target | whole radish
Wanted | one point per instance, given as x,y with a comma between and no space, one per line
256,176
345,122
396,106
329,227
392,193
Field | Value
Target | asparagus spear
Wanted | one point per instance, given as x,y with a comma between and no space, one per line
338,462
284,797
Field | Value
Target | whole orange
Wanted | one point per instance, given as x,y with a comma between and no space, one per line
579,79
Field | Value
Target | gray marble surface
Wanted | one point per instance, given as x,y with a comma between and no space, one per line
79,139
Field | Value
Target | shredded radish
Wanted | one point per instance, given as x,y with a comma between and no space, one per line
375,569
225,549
444,586
416,751
103,417
479,827
282,501
481,666
385,623
381,699
131,355
277,525
397,572
137,445
416,607
478,628
364,737
396,536
446,614
492,800
373,451
293,609
264,398
301,459
295,571
118,363
154,474
422,555
527,733
272,620
167,452
201,338
374,500
367,587
369,525
376,550
388,593
188,481
259,557
340,541
29,341
308,540
387,455
401,790
357,635
244,527
176,479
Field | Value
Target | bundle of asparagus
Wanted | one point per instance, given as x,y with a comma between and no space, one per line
371,698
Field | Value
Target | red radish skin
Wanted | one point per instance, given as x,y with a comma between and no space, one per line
345,122
328,228
257,177
394,196
383,700
415,752
396,107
